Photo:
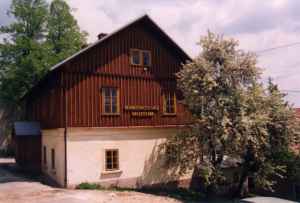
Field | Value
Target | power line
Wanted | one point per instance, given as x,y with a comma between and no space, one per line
278,47
292,91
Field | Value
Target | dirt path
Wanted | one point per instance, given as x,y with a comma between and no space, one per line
33,192
16,189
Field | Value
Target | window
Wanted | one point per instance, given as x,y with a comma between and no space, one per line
135,57
110,100
111,159
45,155
140,57
169,103
52,158
146,58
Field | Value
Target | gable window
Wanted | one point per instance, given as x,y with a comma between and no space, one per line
140,57
169,103
146,58
110,99
52,158
111,159
45,155
135,57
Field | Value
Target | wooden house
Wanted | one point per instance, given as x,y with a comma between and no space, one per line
104,111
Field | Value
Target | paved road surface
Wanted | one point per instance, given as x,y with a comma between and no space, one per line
265,200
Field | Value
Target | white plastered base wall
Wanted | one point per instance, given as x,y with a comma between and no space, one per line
140,164
54,139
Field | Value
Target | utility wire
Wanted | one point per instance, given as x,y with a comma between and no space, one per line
292,91
259,52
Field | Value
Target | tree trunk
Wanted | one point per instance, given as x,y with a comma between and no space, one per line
243,188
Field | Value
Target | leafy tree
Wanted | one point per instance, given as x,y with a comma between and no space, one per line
40,36
234,117
64,36
22,53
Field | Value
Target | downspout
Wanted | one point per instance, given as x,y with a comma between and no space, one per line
65,131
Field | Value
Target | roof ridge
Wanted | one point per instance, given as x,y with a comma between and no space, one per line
98,41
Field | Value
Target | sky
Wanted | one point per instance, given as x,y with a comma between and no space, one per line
257,24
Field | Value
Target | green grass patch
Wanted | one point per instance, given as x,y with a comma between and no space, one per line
178,193
89,186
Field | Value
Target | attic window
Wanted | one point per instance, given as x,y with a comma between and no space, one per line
146,58
140,57
135,57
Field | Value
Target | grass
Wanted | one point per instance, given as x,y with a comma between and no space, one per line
178,193
89,186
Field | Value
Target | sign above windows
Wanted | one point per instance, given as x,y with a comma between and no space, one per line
141,108
142,111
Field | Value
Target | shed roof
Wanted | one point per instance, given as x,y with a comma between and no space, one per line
23,128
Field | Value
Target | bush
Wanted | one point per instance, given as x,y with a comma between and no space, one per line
89,186
292,163
7,152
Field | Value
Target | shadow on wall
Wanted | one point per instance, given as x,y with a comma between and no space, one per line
157,174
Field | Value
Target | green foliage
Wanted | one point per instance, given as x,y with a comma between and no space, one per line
38,38
7,152
22,55
64,36
178,193
233,115
89,186
292,163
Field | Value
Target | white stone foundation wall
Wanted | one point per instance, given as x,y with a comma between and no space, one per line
54,139
140,163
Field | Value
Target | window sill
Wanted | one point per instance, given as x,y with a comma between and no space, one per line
136,64
169,114
111,172
141,65
110,114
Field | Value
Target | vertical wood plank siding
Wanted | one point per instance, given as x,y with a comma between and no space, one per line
108,64
46,104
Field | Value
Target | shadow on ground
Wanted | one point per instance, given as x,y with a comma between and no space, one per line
10,172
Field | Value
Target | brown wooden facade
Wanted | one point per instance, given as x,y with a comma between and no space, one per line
70,95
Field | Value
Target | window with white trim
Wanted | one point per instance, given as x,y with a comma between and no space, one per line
140,57
169,103
110,100
111,159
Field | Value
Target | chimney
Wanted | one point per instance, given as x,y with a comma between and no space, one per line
101,35
84,46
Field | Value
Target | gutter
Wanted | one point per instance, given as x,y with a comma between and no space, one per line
65,134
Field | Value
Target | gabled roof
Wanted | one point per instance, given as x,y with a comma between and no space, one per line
146,19
23,128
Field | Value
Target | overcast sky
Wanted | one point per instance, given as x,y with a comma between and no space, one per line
257,24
